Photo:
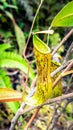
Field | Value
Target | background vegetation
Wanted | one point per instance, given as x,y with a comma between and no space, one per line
16,17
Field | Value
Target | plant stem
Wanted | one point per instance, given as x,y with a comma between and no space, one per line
62,42
32,25
32,118
62,74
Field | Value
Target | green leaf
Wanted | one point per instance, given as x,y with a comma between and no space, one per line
9,14
13,60
64,17
69,108
13,106
18,32
4,79
20,37
3,47
14,2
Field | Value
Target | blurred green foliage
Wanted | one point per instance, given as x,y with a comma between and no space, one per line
23,12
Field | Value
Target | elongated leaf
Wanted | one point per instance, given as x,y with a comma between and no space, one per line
13,106
8,94
9,14
18,33
20,37
13,60
64,17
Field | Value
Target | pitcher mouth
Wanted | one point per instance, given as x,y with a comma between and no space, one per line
40,45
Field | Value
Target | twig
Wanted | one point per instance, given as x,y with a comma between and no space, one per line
23,53
70,127
68,67
29,55
25,84
33,82
32,118
33,25
33,61
55,119
50,101
60,68
62,74
62,42
45,31
15,118
68,53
